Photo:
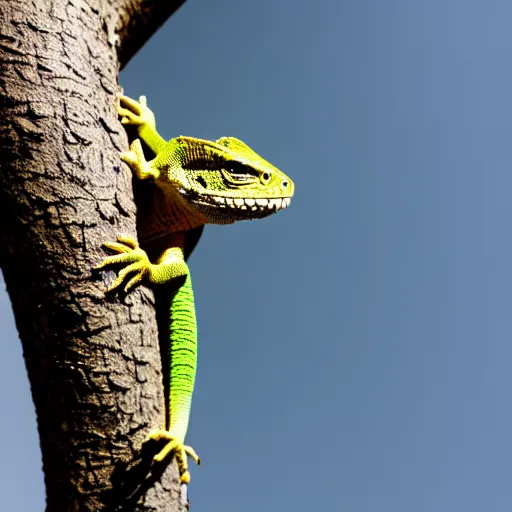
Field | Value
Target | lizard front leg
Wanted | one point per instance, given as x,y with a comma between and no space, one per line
135,159
183,337
137,113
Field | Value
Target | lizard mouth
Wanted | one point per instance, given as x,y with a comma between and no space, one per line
236,208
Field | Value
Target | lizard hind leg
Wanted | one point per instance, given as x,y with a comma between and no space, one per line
182,337
174,448
181,368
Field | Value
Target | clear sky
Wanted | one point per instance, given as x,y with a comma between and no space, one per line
355,350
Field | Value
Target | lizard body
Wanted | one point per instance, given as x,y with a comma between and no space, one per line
198,182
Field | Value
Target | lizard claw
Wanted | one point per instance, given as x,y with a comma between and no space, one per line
135,112
174,448
134,258
137,162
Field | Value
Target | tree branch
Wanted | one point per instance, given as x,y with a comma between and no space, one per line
138,20
94,365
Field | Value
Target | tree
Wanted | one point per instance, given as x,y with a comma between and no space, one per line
93,364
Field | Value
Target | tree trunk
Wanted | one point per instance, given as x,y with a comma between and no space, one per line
94,365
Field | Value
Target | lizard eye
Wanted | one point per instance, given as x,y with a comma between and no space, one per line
265,177
237,168
240,172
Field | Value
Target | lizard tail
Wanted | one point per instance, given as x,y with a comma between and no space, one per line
183,357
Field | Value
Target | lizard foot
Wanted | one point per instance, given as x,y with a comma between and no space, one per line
175,448
134,258
135,112
137,162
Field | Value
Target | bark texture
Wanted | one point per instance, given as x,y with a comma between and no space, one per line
94,365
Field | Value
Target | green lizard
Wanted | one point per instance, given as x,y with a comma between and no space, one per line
199,182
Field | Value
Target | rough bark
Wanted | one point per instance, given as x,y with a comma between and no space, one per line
93,364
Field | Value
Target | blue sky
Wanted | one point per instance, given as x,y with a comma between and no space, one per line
355,349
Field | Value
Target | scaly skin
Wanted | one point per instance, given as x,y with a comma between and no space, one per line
202,182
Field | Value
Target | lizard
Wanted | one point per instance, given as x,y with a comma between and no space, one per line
198,182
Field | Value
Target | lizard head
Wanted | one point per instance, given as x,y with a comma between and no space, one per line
226,181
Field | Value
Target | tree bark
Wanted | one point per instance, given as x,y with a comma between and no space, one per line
94,364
